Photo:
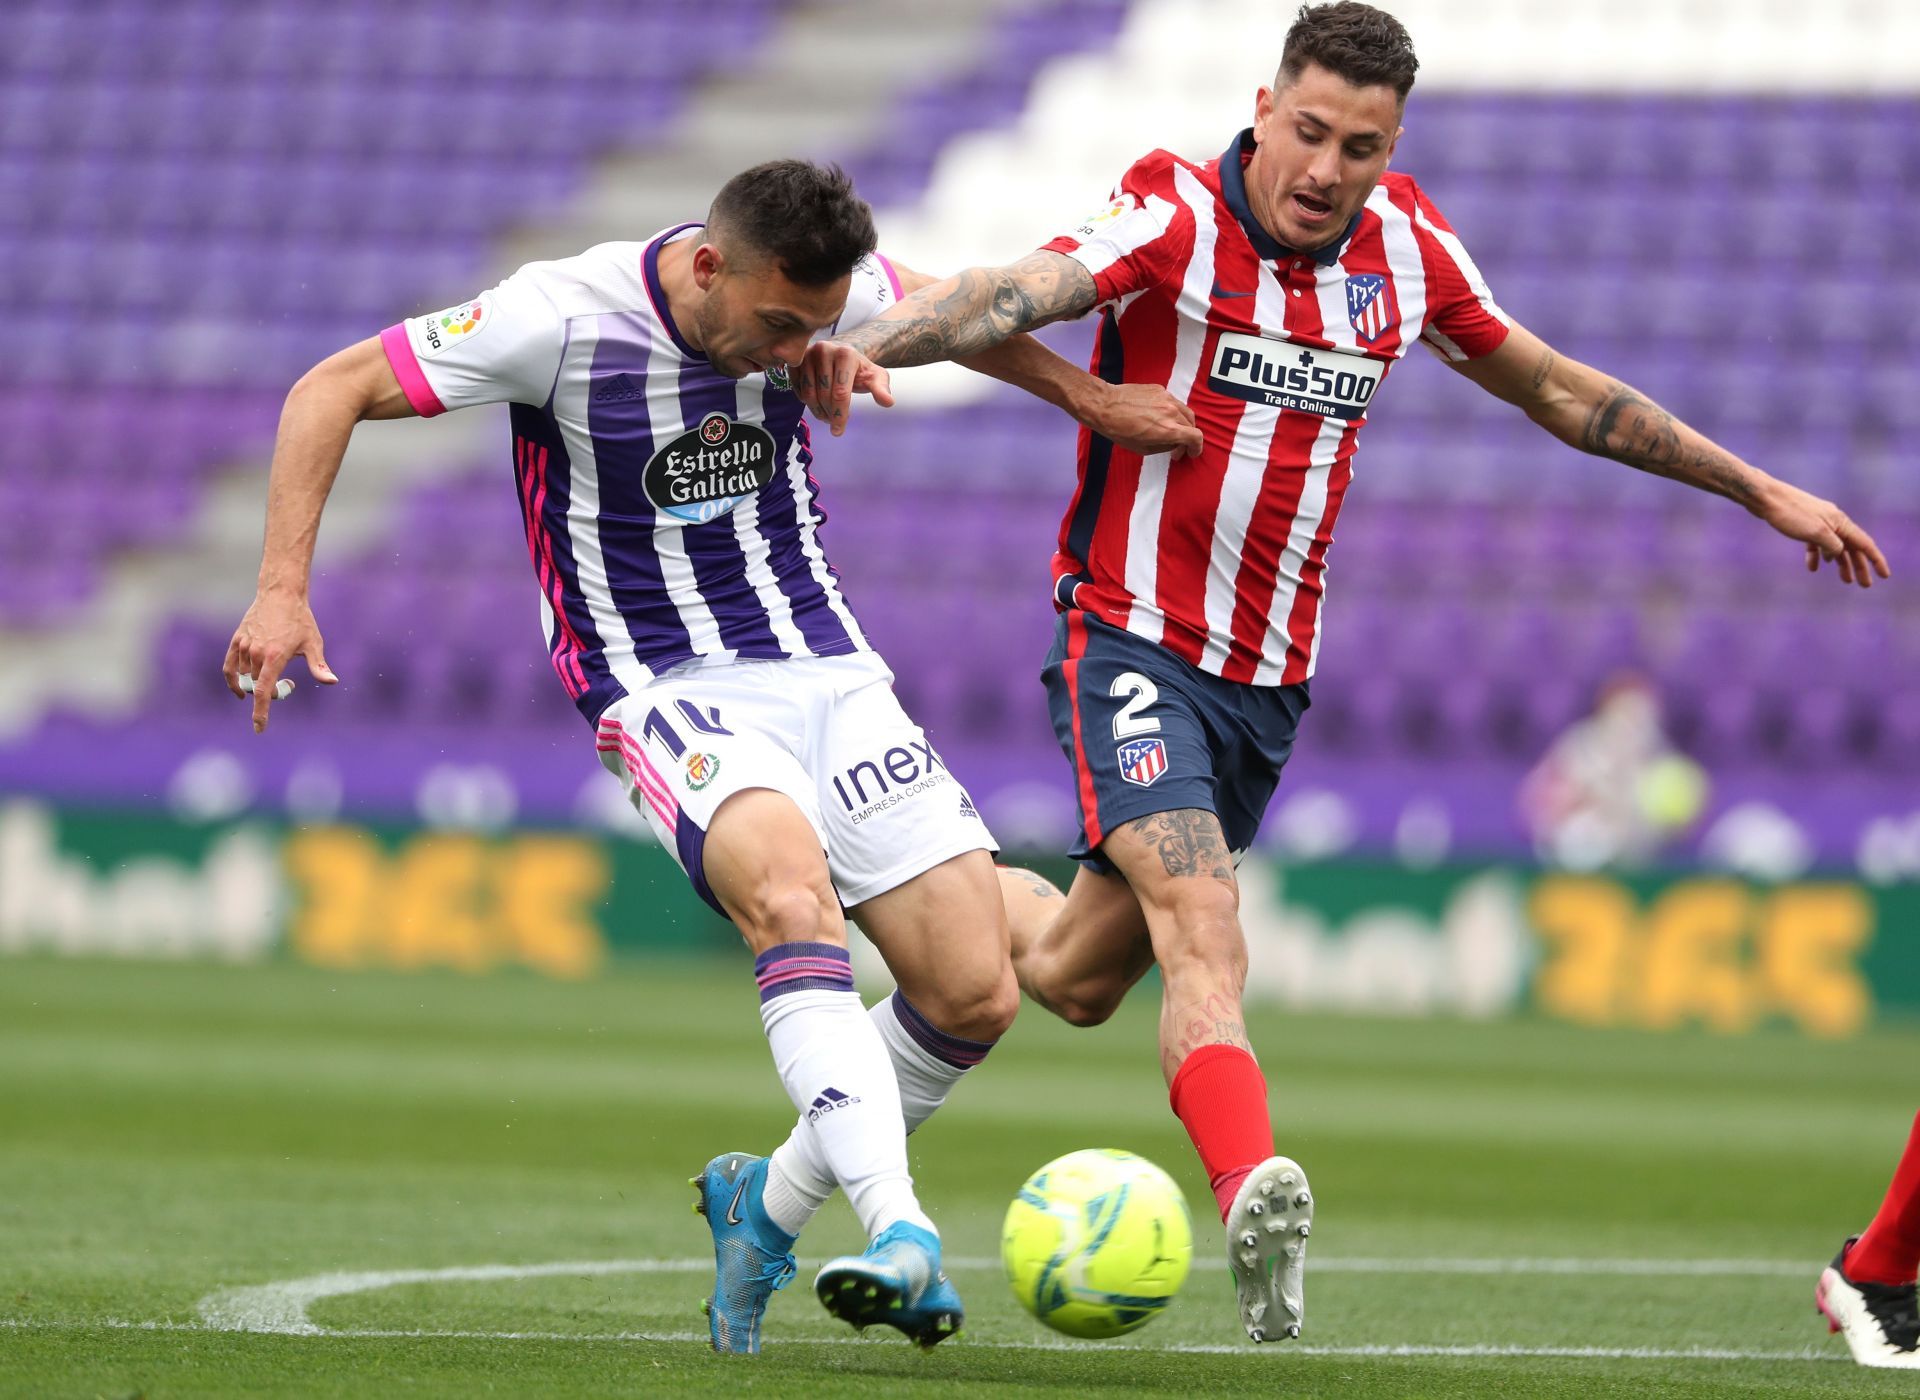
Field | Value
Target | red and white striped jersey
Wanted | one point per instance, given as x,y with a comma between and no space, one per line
1222,558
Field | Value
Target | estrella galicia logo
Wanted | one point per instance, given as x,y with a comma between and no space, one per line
1370,306
828,1102
1142,761
709,469
702,768
1329,382
778,377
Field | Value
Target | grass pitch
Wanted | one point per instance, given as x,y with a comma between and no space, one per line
1516,1208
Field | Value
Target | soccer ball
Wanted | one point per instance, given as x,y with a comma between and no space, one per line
1097,1243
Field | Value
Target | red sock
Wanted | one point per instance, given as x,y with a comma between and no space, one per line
1889,1252
1220,1096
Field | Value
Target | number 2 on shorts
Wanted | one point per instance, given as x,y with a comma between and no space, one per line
1130,721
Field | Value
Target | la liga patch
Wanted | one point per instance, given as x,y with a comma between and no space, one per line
455,324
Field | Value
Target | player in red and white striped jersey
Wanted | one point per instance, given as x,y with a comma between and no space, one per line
1272,290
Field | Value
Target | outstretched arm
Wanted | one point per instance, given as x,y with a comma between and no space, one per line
1140,417
1597,413
975,311
319,417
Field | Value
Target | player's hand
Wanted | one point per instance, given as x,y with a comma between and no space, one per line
1145,418
277,628
1825,530
830,374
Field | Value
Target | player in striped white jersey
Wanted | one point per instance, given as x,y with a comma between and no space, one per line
662,462
1272,289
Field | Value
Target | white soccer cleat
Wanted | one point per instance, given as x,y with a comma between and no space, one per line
1267,1229
1881,1321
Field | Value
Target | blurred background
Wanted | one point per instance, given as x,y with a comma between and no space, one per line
1581,740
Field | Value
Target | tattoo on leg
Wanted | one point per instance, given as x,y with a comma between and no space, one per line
1213,1022
1189,841
1039,884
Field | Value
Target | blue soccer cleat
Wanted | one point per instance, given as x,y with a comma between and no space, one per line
752,1257
898,1281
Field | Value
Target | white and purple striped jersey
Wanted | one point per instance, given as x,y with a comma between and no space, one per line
670,511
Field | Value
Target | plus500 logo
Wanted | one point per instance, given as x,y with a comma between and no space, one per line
1331,383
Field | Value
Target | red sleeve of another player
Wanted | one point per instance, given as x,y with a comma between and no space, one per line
1463,320
1142,238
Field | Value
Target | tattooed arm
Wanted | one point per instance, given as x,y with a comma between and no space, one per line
975,311
1597,413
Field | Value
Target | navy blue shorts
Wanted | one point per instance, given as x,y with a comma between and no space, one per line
1146,732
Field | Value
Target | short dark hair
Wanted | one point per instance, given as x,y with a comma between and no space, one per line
805,217
1353,41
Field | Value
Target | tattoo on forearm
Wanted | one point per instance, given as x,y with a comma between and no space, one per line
1543,369
1039,884
985,307
1189,842
1632,429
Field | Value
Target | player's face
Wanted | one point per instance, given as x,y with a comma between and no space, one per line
1324,144
754,316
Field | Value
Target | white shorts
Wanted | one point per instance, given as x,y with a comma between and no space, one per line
826,731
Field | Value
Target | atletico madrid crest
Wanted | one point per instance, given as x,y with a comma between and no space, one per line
1370,305
1142,761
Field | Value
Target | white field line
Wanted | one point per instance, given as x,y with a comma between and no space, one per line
282,1306
1387,1350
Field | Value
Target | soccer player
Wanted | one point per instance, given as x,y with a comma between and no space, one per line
1868,1291
663,463
1272,289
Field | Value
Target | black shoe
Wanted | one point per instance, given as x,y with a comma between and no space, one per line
1881,1320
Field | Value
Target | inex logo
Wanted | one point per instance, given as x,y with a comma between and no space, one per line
873,785
709,469
1332,383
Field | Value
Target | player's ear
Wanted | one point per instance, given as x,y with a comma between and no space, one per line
1263,106
708,263
1394,144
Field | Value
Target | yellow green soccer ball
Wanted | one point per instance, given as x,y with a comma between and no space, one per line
1097,1243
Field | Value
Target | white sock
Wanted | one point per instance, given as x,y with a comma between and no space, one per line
835,1069
798,1177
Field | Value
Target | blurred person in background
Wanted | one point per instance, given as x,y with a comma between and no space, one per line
662,461
1271,289
1613,791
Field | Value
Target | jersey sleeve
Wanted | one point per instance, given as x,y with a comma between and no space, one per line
1463,320
502,346
875,289
1142,238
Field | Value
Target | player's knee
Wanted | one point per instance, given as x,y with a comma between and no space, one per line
788,910
1200,930
979,1008
992,1015
1079,1000
1198,908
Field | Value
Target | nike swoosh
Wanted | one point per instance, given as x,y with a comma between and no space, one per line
733,1207
1220,291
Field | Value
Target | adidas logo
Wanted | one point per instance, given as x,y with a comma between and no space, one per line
966,807
619,387
828,1102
